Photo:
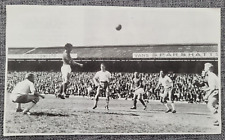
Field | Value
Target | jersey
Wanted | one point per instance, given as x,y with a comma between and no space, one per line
213,81
166,82
137,82
66,58
24,87
103,76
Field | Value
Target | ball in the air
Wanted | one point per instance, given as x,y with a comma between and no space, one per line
119,27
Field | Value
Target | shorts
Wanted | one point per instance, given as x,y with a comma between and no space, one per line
167,95
65,69
103,86
139,91
24,98
138,94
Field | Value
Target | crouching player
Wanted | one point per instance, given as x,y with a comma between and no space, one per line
138,91
167,84
24,92
212,92
102,79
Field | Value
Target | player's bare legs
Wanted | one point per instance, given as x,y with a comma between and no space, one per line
19,108
143,103
26,111
163,100
64,86
140,97
168,109
173,107
172,102
96,98
168,93
107,99
134,102
212,102
166,105
32,99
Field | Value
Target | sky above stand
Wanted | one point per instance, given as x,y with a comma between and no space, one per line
50,26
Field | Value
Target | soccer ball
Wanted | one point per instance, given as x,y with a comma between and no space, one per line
119,27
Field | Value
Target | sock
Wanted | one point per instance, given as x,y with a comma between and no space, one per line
64,87
61,89
166,105
142,102
135,103
19,106
173,106
96,101
29,107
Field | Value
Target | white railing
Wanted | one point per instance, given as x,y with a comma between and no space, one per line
37,56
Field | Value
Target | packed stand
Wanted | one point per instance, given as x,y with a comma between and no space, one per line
186,86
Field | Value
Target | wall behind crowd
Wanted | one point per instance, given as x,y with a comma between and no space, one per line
115,66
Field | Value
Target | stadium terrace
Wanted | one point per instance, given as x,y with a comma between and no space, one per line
121,58
128,52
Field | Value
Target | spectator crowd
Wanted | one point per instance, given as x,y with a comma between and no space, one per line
186,86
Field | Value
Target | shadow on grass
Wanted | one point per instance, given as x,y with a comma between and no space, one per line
115,113
190,113
111,113
49,114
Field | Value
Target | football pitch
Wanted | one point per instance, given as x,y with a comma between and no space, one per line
75,115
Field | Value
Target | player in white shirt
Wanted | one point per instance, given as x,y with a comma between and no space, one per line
24,92
212,92
167,84
102,79
66,69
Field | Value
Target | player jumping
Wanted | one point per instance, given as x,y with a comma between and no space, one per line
167,84
138,91
66,69
212,92
102,79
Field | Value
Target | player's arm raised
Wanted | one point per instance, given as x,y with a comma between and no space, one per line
75,63
72,62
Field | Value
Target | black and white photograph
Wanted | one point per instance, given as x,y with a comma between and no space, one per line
80,70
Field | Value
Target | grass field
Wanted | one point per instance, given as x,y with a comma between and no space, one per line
76,116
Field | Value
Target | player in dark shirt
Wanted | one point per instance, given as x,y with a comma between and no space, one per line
138,91
66,69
